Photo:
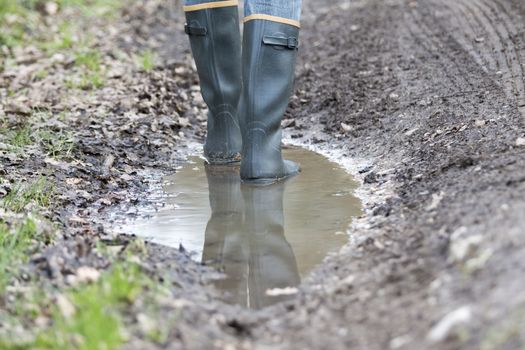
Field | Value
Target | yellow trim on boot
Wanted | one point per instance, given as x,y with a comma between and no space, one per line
210,5
273,19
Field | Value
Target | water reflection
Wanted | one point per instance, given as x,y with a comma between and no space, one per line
245,239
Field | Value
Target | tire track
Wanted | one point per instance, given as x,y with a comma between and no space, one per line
497,27
519,52
422,37
441,47
513,77
487,62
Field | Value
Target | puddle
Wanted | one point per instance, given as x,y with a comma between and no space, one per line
264,239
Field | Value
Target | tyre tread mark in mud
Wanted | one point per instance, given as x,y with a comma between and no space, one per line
438,44
504,43
485,61
519,53
512,86
435,43
419,40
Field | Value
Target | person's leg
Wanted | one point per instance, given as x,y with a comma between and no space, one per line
271,32
213,29
281,9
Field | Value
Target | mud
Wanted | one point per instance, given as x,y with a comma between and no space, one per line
422,99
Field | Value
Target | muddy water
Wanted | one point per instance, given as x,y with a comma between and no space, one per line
264,239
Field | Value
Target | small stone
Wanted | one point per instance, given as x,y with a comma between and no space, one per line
411,132
520,141
18,108
480,123
184,122
66,308
436,199
449,324
287,123
463,248
51,8
73,181
146,324
281,291
346,128
86,274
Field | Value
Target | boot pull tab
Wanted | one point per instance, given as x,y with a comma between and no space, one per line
291,43
193,29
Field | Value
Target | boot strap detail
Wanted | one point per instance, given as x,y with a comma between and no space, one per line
291,43
192,30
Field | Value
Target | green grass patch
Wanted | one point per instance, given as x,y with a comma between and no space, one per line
20,138
90,59
97,320
14,243
93,75
21,20
40,192
17,20
56,144
64,39
146,61
95,8
98,315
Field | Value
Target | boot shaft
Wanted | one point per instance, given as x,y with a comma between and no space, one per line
269,57
216,45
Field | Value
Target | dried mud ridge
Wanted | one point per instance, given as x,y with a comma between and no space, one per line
432,92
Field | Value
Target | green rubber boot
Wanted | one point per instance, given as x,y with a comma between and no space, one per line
216,45
269,56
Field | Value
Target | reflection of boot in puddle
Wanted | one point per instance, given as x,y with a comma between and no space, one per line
272,261
224,246
245,239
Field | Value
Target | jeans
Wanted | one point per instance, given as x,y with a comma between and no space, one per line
288,9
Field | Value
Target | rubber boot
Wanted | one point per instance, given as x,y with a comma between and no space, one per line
216,45
269,56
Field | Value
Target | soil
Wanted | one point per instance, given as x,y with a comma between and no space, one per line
425,98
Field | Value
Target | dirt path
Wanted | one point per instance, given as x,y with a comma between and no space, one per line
426,97
432,92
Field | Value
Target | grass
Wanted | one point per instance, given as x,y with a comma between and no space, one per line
17,19
97,314
95,8
146,61
64,39
57,144
20,138
20,20
89,58
92,77
14,242
39,192
97,321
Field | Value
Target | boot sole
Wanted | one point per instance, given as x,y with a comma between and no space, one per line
223,161
266,181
